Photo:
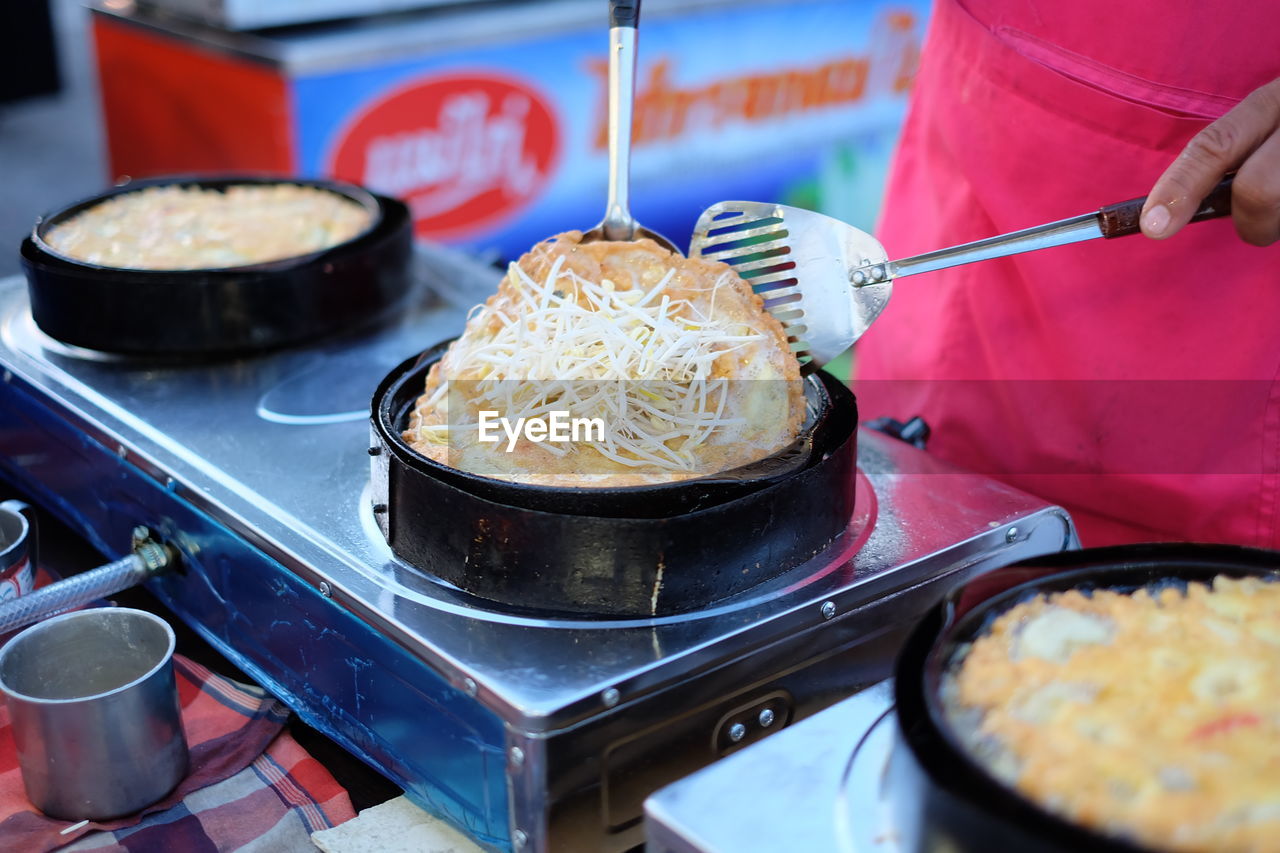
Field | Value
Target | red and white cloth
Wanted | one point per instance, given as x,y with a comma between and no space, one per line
251,787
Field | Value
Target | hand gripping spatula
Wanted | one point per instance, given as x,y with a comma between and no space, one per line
826,281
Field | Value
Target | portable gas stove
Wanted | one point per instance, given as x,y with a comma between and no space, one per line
525,731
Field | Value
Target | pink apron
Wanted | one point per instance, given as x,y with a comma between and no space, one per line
1133,382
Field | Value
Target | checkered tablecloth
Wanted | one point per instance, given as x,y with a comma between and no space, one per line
251,787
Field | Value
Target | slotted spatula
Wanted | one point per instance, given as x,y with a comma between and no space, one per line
826,281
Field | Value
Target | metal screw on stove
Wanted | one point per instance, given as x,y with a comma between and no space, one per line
122,451
1011,535
766,717
519,839
469,685
610,697
828,609
737,732
325,589
516,754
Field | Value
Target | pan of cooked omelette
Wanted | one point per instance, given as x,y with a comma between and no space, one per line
716,466
1115,699
205,267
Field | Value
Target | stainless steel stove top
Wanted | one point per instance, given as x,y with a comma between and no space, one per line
256,469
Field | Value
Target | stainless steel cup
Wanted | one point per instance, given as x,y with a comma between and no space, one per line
95,713
17,550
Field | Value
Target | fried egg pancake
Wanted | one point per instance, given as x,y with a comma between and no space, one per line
676,356
174,227
1154,716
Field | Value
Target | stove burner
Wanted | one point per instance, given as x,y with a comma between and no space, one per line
328,390
27,327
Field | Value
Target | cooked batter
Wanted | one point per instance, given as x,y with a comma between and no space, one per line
1154,715
676,356
180,228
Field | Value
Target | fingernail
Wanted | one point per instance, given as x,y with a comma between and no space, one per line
1155,220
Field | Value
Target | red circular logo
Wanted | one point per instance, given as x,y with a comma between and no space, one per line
464,151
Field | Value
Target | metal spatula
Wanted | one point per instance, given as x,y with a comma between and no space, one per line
618,223
826,281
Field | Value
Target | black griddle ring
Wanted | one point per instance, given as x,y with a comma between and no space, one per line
639,551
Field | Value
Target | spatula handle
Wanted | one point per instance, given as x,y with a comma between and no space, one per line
1114,220
624,24
1121,219
624,13
1074,230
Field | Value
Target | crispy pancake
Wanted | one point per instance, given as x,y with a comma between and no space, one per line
1153,715
677,357
174,227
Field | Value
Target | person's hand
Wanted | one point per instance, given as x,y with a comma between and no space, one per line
1246,139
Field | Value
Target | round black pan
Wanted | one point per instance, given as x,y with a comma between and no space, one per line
221,312
635,551
944,799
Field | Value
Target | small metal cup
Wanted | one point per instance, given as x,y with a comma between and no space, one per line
95,714
17,550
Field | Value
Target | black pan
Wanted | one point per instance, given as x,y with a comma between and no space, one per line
227,311
634,551
943,798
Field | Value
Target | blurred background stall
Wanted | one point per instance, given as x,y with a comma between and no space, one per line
487,118
50,132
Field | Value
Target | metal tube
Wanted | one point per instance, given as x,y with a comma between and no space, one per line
85,587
